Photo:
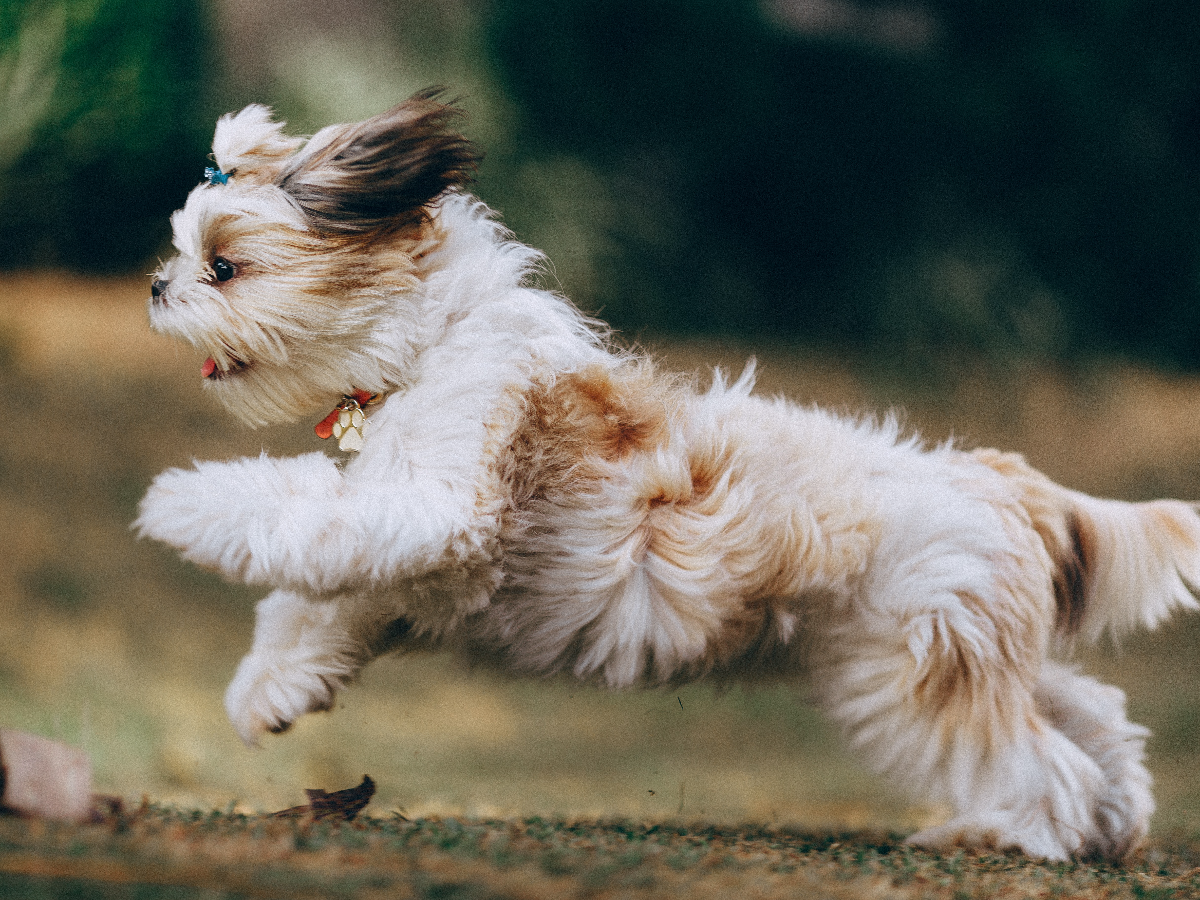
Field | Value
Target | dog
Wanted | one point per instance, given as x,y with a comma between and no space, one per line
518,489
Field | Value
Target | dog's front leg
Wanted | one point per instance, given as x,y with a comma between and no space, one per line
279,522
303,653
306,650
301,523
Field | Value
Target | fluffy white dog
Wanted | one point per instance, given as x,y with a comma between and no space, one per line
530,496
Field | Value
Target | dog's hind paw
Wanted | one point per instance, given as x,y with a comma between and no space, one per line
1035,837
269,693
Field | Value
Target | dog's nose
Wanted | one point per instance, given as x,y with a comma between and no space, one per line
158,287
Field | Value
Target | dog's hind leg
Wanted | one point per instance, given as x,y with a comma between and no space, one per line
935,705
1092,715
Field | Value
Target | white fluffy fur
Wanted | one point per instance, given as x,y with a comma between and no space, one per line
530,497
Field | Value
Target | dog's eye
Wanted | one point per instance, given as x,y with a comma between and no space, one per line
223,269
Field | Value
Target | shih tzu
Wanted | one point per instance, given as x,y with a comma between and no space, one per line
524,493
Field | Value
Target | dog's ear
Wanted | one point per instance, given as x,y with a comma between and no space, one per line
380,174
250,147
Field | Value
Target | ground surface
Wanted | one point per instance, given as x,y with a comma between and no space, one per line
115,646
158,853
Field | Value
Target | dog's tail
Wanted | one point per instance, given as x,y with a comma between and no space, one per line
1116,565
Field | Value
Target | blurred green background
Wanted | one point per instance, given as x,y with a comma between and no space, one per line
1017,179
984,213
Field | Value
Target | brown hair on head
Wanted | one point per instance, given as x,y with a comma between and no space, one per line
381,174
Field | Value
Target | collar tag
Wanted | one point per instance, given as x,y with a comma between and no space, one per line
346,422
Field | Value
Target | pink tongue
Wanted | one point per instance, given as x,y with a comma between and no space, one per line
210,366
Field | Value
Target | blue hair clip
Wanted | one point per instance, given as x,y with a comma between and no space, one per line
215,176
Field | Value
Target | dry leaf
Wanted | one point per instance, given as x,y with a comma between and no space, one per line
340,804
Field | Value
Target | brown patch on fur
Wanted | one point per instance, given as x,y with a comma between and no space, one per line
965,690
754,645
597,414
980,665
706,470
1067,536
981,662
613,416
951,674
336,262
1071,566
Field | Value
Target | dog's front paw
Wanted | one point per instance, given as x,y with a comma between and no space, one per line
269,692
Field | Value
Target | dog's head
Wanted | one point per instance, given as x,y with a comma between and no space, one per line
294,256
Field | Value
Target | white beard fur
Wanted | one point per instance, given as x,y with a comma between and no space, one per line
534,499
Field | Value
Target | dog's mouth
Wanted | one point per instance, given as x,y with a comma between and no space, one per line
213,372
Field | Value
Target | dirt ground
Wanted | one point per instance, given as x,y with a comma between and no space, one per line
154,852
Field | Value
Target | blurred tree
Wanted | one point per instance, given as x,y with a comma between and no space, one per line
1019,178
100,135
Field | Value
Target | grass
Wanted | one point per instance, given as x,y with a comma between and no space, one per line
167,852
116,646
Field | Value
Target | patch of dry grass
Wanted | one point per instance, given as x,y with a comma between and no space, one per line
116,646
